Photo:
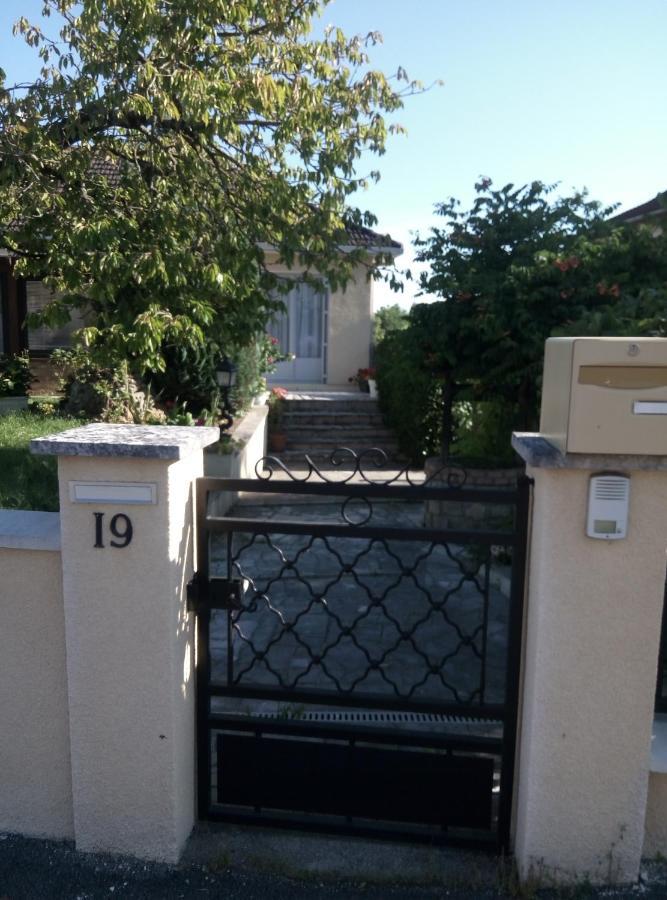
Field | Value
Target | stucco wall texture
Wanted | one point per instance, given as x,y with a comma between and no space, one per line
590,662
35,776
130,661
350,316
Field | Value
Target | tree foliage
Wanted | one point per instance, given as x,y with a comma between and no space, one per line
166,145
410,398
388,319
520,266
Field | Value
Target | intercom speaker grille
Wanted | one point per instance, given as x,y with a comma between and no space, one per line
612,488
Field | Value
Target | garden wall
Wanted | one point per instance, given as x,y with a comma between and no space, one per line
121,751
35,772
655,832
468,516
249,446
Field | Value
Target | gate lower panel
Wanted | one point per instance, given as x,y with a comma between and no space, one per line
385,780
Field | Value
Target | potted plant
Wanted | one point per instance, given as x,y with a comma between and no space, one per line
15,380
276,404
365,381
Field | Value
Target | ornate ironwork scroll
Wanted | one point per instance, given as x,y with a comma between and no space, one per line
360,466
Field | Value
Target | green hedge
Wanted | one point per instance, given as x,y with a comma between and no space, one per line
410,399
411,402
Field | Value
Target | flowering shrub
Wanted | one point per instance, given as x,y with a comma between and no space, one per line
15,375
254,363
270,354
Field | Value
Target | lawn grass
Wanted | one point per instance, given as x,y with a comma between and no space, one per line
27,481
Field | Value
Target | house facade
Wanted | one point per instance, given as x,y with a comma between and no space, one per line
652,213
328,332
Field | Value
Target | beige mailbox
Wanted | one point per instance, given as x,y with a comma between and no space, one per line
605,395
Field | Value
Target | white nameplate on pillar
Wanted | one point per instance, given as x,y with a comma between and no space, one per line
649,407
112,492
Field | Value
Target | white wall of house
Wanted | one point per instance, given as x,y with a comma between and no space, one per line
346,331
349,337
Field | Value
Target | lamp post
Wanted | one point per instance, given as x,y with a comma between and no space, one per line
225,375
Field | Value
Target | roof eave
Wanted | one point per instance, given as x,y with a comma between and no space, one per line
628,217
348,248
374,251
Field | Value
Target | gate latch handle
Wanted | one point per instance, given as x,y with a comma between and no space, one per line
213,593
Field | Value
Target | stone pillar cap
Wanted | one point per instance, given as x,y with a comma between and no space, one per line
138,441
539,453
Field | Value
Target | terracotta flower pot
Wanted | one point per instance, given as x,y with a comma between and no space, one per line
277,441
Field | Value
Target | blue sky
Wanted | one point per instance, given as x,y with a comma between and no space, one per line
570,91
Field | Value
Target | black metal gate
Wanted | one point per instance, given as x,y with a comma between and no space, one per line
356,670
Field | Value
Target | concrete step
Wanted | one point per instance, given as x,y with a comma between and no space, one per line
294,456
319,425
333,444
360,405
306,419
361,433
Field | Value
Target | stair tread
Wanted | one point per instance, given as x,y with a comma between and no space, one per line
321,452
334,406
361,430
317,427
327,411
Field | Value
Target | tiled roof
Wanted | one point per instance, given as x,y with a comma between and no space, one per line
359,236
107,167
650,208
355,235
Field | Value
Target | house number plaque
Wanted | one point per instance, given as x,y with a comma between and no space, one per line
120,529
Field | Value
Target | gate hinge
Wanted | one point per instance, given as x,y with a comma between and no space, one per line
213,593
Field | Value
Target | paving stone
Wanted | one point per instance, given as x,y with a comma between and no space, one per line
387,600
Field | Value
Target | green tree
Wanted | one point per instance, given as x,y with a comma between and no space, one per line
521,265
166,145
388,319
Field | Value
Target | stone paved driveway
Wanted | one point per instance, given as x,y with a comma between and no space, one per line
395,618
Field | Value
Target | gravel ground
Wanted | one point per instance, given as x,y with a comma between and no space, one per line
38,869
35,869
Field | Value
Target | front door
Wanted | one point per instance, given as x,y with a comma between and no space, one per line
300,330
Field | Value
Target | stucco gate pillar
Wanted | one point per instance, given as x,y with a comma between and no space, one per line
127,530
590,662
